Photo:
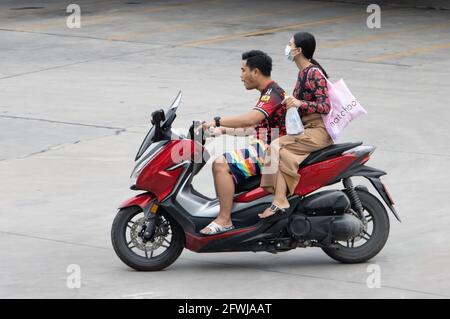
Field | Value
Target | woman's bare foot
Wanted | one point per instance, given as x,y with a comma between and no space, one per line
268,212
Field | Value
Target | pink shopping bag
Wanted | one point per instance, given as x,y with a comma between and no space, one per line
344,108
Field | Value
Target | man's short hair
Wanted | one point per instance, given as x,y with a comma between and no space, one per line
259,60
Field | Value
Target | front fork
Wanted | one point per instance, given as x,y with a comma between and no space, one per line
150,224
354,198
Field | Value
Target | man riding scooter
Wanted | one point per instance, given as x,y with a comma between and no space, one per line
151,229
265,121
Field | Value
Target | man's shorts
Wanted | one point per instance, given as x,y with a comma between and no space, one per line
246,162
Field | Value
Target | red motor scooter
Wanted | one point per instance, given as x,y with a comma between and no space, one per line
150,230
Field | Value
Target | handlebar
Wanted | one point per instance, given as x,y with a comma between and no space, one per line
197,133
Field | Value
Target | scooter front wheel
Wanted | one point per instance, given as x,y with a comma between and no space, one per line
146,255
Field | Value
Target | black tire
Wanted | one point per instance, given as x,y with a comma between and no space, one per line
132,259
380,233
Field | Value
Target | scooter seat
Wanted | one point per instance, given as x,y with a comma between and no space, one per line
315,157
327,153
248,184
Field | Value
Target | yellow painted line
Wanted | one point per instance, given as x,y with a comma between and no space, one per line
136,34
47,7
61,22
406,53
101,18
271,30
278,12
129,35
369,38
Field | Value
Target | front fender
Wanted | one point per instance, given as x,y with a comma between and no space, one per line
141,200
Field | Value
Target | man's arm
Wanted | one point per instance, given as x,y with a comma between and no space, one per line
251,118
246,131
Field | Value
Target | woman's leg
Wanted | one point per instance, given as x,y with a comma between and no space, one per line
270,167
292,151
280,198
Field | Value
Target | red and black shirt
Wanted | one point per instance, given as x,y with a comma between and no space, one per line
314,96
270,105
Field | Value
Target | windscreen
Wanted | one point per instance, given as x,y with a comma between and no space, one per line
170,117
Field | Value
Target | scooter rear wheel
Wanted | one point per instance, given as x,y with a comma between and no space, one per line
369,243
154,255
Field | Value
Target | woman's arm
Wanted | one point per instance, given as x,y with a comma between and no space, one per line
319,89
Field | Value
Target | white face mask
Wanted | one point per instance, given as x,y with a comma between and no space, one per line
287,53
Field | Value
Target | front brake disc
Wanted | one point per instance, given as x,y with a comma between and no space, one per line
137,239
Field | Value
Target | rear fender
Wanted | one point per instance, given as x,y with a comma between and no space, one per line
378,185
373,175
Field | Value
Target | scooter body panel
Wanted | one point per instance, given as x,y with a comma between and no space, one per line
160,177
320,174
141,200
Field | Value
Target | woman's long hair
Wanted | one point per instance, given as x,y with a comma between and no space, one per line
307,43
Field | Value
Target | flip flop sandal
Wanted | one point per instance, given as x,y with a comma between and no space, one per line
216,229
277,211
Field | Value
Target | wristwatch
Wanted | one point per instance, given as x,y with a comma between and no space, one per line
217,120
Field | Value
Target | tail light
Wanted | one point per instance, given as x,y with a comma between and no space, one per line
365,159
361,150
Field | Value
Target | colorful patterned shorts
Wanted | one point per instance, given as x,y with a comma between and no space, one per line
246,162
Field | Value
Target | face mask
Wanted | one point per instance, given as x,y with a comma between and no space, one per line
287,53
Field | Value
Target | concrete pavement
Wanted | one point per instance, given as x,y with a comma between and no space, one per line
75,105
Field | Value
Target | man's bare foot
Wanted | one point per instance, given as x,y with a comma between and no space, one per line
268,212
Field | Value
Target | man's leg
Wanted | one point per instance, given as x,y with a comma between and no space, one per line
224,184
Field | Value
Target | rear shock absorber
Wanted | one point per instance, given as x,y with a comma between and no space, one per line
354,198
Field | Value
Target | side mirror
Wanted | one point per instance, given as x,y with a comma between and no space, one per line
158,116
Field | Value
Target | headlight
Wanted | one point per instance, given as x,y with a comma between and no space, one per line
148,155
133,179
137,170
